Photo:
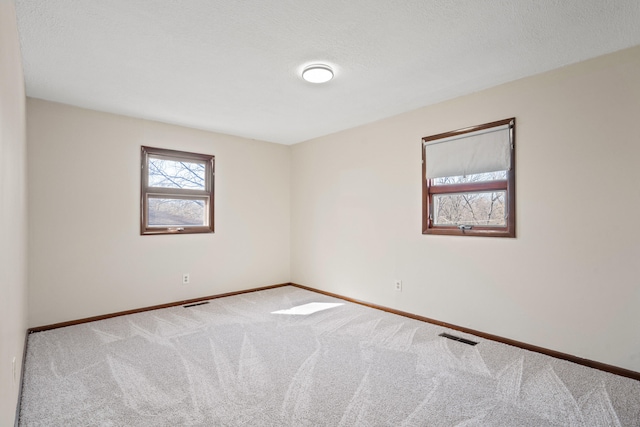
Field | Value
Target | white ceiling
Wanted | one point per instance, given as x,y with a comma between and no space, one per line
233,66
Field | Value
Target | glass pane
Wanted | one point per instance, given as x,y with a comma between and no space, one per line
177,212
485,209
176,174
478,177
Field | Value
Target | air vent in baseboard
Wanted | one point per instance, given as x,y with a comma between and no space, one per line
198,303
453,337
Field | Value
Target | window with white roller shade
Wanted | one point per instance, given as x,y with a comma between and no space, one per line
469,181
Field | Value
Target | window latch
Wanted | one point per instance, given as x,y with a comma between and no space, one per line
464,228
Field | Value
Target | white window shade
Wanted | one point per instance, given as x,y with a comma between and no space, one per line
488,150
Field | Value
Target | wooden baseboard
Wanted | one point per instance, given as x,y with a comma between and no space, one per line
24,359
153,307
559,355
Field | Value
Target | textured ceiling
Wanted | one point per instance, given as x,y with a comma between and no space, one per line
233,66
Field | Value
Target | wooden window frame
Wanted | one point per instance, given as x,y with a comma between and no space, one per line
509,185
178,193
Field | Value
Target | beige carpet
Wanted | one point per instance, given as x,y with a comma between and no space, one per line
272,358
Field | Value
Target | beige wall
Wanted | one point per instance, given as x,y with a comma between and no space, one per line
85,250
570,281
13,213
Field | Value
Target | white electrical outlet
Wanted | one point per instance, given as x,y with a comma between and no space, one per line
13,369
185,279
398,285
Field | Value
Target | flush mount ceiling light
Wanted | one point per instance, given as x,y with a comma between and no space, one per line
317,73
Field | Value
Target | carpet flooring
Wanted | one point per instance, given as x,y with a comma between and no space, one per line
290,357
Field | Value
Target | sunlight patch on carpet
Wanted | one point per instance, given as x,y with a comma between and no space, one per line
306,309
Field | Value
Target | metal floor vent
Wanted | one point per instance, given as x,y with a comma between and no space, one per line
455,338
198,303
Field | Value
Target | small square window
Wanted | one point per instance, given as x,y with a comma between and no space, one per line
176,192
468,181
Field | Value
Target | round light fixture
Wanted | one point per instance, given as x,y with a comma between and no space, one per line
317,73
